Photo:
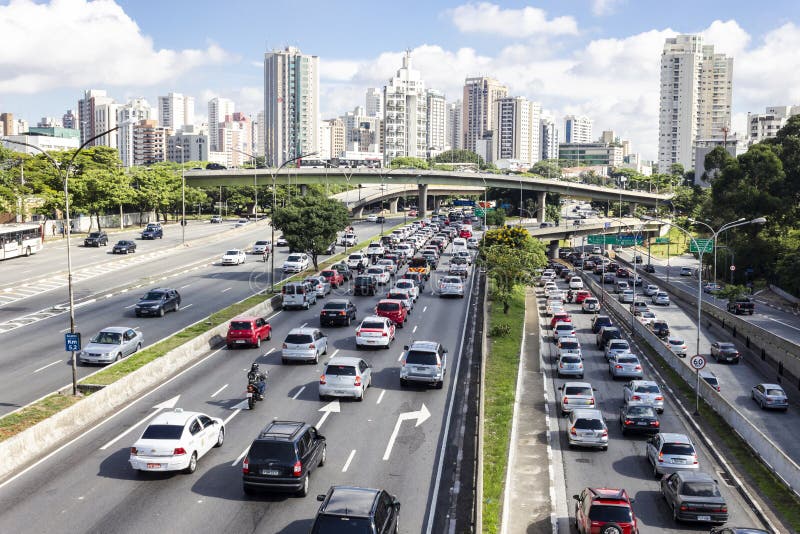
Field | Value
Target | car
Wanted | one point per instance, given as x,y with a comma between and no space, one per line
737,530
576,395
281,242
320,284
606,334
380,274
638,418
563,329
575,282
124,246
677,346
216,219
625,366
298,295
621,285
451,286
649,268
403,296
380,219
553,306
643,391
423,362
345,376
248,330
408,285
560,317
582,295
637,258
570,365
375,331
305,344
712,288
694,496
725,351
375,249
770,396
686,271
660,328
388,265
153,231
616,346
596,508
372,218
623,273
586,428
393,310
296,263
590,305
459,269
112,344
569,345
639,305
241,222
158,302
710,378
599,321
609,278
669,453
645,317
626,296
417,278
357,259
661,298
96,239
344,270
282,457
354,509
337,311
175,441
472,243
365,285
262,246
234,256
649,290
348,240
333,277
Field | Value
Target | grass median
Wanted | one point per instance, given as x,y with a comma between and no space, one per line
500,381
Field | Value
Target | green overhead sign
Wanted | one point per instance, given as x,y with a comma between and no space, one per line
701,246
662,241
614,239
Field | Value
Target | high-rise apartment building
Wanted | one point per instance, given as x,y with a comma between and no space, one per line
291,104
549,138
175,110
361,131
218,109
105,119
7,123
512,134
337,137
190,143
577,129
762,126
49,122
374,102
436,135
92,99
454,129
235,139
405,114
696,95
260,136
478,108
70,120
128,116
149,142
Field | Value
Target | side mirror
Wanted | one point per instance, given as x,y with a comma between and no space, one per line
321,498
405,347
396,504
320,436
576,497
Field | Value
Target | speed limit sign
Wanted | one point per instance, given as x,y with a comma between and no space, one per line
698,362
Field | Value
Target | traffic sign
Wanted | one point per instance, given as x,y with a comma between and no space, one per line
698,362
629,240
733,267
701,245
72,341
662,241
598,239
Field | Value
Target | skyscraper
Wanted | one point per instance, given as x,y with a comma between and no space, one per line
92,98
374,102
480,95
454,129
405,114
512,136
436,135
577,129
218,110
696,94
291,104
549,138
175,110
128,116
70,120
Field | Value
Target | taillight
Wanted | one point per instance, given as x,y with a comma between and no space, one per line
322,380
695,459
311,346
661,457
565,401
134,451
628,422
638,368
284,346
637,397
655,423
179,451
342,313
358,332
605,433
684,507
357,381
572,431
384,334
617,366
659,398
246,465
298,468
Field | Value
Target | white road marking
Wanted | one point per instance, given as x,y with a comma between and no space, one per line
415,329
334,353
299,391
380,397
46,366
423,309
231,416
784,324
63,331
421,416
226,289
158,408
187,285
303,325
129,307
239,458
218,391
188,306
400,357
84,303
349,459
270,351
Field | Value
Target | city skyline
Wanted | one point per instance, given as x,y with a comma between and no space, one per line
595,58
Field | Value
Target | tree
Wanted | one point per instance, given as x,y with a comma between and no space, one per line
459,156
547,168
310,224
510,256
406,161
496,217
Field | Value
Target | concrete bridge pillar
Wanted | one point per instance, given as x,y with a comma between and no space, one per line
437,202
303,190
553,250
358,212
422,202
393,205
633,209
541,198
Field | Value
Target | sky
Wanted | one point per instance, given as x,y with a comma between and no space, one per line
600,58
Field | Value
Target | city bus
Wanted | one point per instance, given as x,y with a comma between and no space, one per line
22,239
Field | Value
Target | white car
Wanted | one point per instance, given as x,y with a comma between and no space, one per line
677,346
296,263
380,274
375,249
451,286
472,242
389,265
260,247
356,259
563,329
234,256
372,218
281,242
375,331
617,346
348,240
575,283
408,285
552,305
174,441
650,290
240,223
661,299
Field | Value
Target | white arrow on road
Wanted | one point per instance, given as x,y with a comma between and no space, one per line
166,405
421,416
327,409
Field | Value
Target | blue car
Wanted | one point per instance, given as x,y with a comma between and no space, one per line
153,231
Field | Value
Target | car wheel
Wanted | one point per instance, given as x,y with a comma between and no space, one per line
306,305
161,312
177,306
315,361
138,347
324,456
192,464
656,474
363,393
349,320
220,437
440,384
257,344
675,514
269,336
119,357
304,490
284,361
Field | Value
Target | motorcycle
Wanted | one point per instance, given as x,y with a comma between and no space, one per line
252,391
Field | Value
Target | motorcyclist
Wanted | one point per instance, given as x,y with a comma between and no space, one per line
569,296
265,256
257,378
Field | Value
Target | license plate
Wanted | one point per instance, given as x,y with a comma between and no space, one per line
154,466
704,518
240,341
420,369
270,472
249,395
678,461
642,423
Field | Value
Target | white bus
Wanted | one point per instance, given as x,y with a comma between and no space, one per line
20,240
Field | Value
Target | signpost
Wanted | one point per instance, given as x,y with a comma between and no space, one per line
622,240
662,241
701,246
697,362
72,341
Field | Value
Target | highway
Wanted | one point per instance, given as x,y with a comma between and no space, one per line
88,485
38,364
623,465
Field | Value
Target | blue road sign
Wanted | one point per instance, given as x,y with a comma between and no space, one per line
72,342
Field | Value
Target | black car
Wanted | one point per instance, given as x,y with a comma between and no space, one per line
124,247
381,219
158,302
153,231
365,285
96,239
357,510
609,278
330,250
606,334
638,418
337,311
660,329
344,270
649,268
599,322
694,496
282,458
638,258
725,351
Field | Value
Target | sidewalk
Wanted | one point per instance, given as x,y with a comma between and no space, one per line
527,504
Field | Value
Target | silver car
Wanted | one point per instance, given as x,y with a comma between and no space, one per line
616,346
111,344
669,452
586,428
626,297
644,392
304,344
576,395
424,362
451,286
345,376
569,365
770,396
625,366
650,290
661,299
320,284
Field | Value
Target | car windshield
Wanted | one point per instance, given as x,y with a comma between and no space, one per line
335,524
589,424
163,432
340,370
591,300
299,339
153,295
578,390
451,280
293,257
647,388
388,306
776,392
397,296
241,325
405,285
107,338
610,513
355,257
374,325
727,346
328,274
375,270
335,306
641,411
564,327
95,234
676,342
262,243
263,451
618,345
232,253
700,489
678,449
420,357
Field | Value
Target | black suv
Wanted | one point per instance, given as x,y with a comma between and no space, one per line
365,285
158,302
352,509
282,458
599,322
660,329
606,334
96,239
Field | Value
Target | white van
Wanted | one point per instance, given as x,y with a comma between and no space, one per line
459,244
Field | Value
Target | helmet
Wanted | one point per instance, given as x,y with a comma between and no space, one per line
254,368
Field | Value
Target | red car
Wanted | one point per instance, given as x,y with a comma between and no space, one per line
334,277
392,310
248,330
596,508
465,233
580,296
561,317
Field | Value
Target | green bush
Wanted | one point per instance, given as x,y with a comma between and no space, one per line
500,330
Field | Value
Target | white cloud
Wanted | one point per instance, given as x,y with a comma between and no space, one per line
96,43
485,17
604,7
727,37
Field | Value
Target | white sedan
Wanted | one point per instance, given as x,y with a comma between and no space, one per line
174,441
677,346
372,218
375,331
380,274
234,256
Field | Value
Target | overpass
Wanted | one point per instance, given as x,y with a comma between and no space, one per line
422,179
599,226
358,200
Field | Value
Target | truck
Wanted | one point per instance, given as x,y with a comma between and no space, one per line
419,264
741,304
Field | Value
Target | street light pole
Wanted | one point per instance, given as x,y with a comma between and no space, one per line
714,242
183,198
255,179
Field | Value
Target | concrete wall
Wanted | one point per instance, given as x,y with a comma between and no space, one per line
32,444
